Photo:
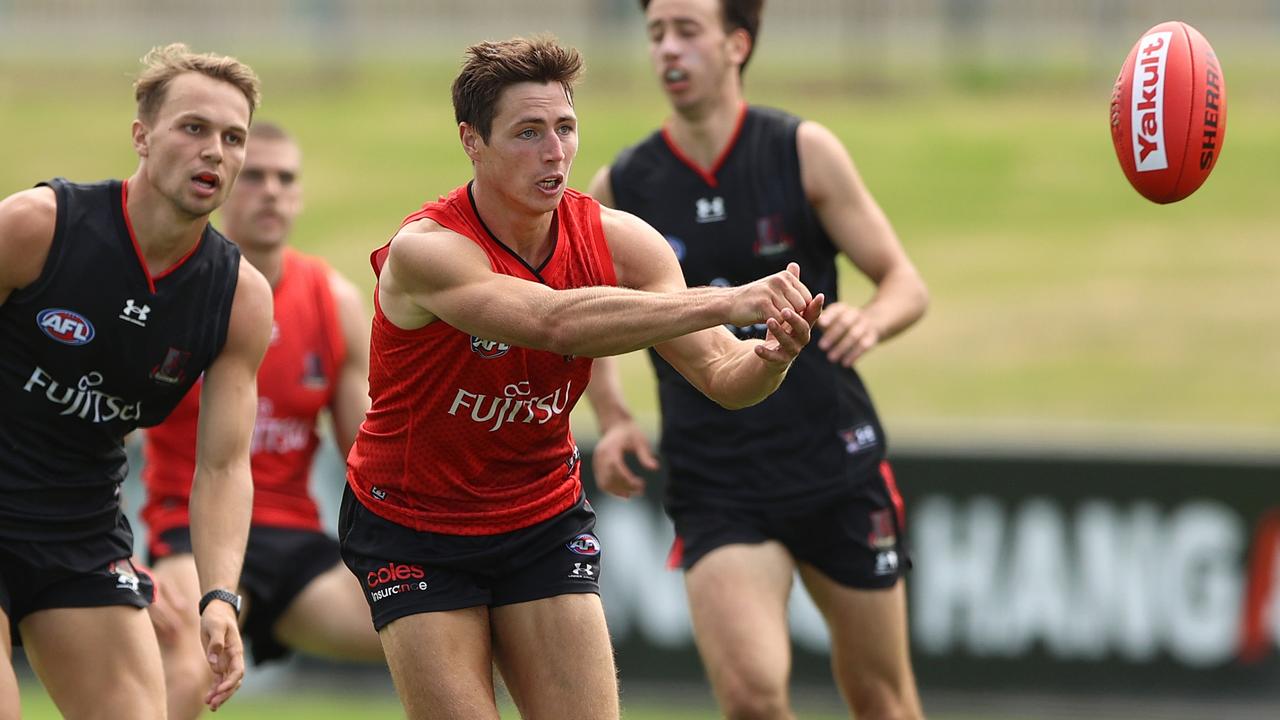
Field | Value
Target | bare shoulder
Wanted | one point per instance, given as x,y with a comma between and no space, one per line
353,319
251,312
601,187
343,290
424,249
826,169
28,220
813,136
642,258
427,237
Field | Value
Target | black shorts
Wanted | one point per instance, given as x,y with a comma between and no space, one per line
405,572
279,563
91,572
857,539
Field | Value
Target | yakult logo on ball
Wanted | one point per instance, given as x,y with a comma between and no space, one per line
1147,118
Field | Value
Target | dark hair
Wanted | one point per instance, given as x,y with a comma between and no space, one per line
491,67
737,14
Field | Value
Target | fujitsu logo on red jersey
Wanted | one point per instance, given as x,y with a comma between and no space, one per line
517,404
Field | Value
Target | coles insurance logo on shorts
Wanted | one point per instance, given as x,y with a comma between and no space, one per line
584,544
65,326
395,578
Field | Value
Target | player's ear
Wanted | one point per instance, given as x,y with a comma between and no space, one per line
471,140
739,46
141,135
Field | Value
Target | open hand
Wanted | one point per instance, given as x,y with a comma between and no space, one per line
224,651
609,460
847,334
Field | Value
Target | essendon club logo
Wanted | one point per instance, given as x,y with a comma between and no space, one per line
65,326
488,349
394,572
883,534
173,369
584,544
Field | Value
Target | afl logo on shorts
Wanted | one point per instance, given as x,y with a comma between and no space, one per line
585,544
65,326
488,349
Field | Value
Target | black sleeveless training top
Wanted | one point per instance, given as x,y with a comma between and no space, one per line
818,435
93,349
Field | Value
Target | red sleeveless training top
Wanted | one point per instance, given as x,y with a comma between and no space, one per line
468,436
295,382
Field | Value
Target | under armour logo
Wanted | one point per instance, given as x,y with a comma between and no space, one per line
131,309
710,210
583,570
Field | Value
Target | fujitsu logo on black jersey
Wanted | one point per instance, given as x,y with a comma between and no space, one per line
83,400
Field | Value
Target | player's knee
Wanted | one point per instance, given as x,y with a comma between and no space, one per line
883,703
754,699
187,678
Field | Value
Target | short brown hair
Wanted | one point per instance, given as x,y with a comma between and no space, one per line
164,63
735,14
493,66
267,130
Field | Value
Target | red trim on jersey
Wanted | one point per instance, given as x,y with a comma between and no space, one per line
137,249
133,238
708,175
899,507
675,556
1255,640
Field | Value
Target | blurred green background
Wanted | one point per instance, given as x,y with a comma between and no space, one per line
1067,311
1065,307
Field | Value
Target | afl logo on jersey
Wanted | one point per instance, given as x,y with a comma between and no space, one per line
488,349
584,544
65,326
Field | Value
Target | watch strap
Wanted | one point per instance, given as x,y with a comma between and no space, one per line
226,596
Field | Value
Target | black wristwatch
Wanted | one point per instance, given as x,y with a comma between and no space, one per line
225,596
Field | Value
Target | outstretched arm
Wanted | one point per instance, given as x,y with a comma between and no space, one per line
731,372
433,273
222,489
860,230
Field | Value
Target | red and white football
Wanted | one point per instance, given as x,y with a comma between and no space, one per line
1169,112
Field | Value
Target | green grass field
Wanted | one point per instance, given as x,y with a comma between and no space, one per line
1063,304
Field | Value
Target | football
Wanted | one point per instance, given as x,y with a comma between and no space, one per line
1169,112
